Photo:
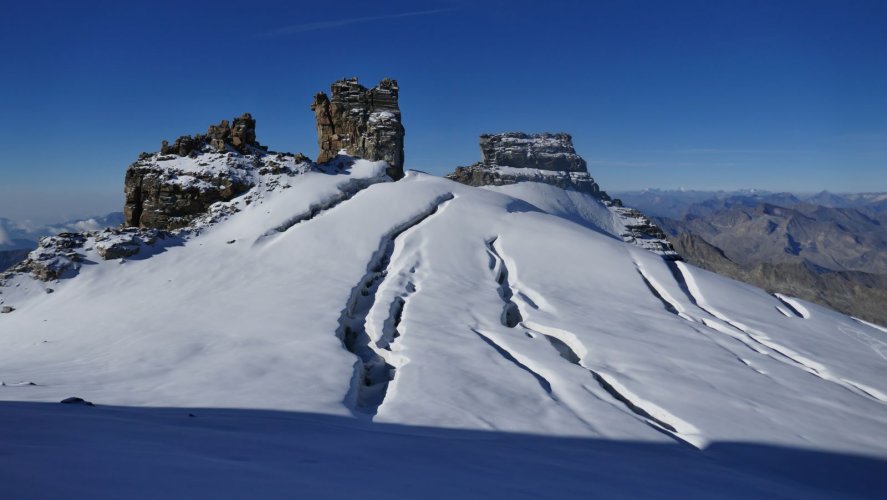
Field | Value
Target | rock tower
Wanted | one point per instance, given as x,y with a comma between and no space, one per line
363,122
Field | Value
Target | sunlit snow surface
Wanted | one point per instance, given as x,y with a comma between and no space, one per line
525,348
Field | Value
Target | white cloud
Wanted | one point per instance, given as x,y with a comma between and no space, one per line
320,25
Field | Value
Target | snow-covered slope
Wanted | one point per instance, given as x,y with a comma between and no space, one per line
428,305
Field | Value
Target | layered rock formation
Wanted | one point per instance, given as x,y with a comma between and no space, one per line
518,157
548,158
543,151
170,189
363,122
160,197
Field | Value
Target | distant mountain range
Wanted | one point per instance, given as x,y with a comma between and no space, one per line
827,248
677,204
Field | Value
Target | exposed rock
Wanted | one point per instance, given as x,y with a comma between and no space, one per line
515,157
239,136
61,256
73,400
549,158
641,231
543,151
162,197
170,189
54,257
119,243
6,309
365,123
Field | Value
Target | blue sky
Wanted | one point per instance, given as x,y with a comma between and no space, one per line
781,95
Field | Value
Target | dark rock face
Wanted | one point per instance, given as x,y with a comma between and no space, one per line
164,192
548,158
543,151
153,199
239,136
74,400
363,122
481,175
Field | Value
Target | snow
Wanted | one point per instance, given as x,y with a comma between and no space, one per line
532,354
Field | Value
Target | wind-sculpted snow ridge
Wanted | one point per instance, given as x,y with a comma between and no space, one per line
496,321
594,212
768,345
561,341
371,372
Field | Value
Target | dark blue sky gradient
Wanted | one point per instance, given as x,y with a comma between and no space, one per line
782,95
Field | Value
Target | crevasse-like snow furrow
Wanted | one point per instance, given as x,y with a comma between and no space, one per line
561,341
657,418
372,372
771,348
671,305
793,305
675,307
346,192
511,315
543,382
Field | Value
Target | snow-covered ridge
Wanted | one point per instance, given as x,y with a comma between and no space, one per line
427,304
62,256
513,159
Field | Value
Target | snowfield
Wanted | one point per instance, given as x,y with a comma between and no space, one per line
335,335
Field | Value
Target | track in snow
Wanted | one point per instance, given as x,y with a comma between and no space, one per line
371,372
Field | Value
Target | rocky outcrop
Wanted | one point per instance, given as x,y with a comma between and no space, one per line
55,256
543,151
640,230
515,157
61,256
240,136
363,122
548,158
164,197
168,190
